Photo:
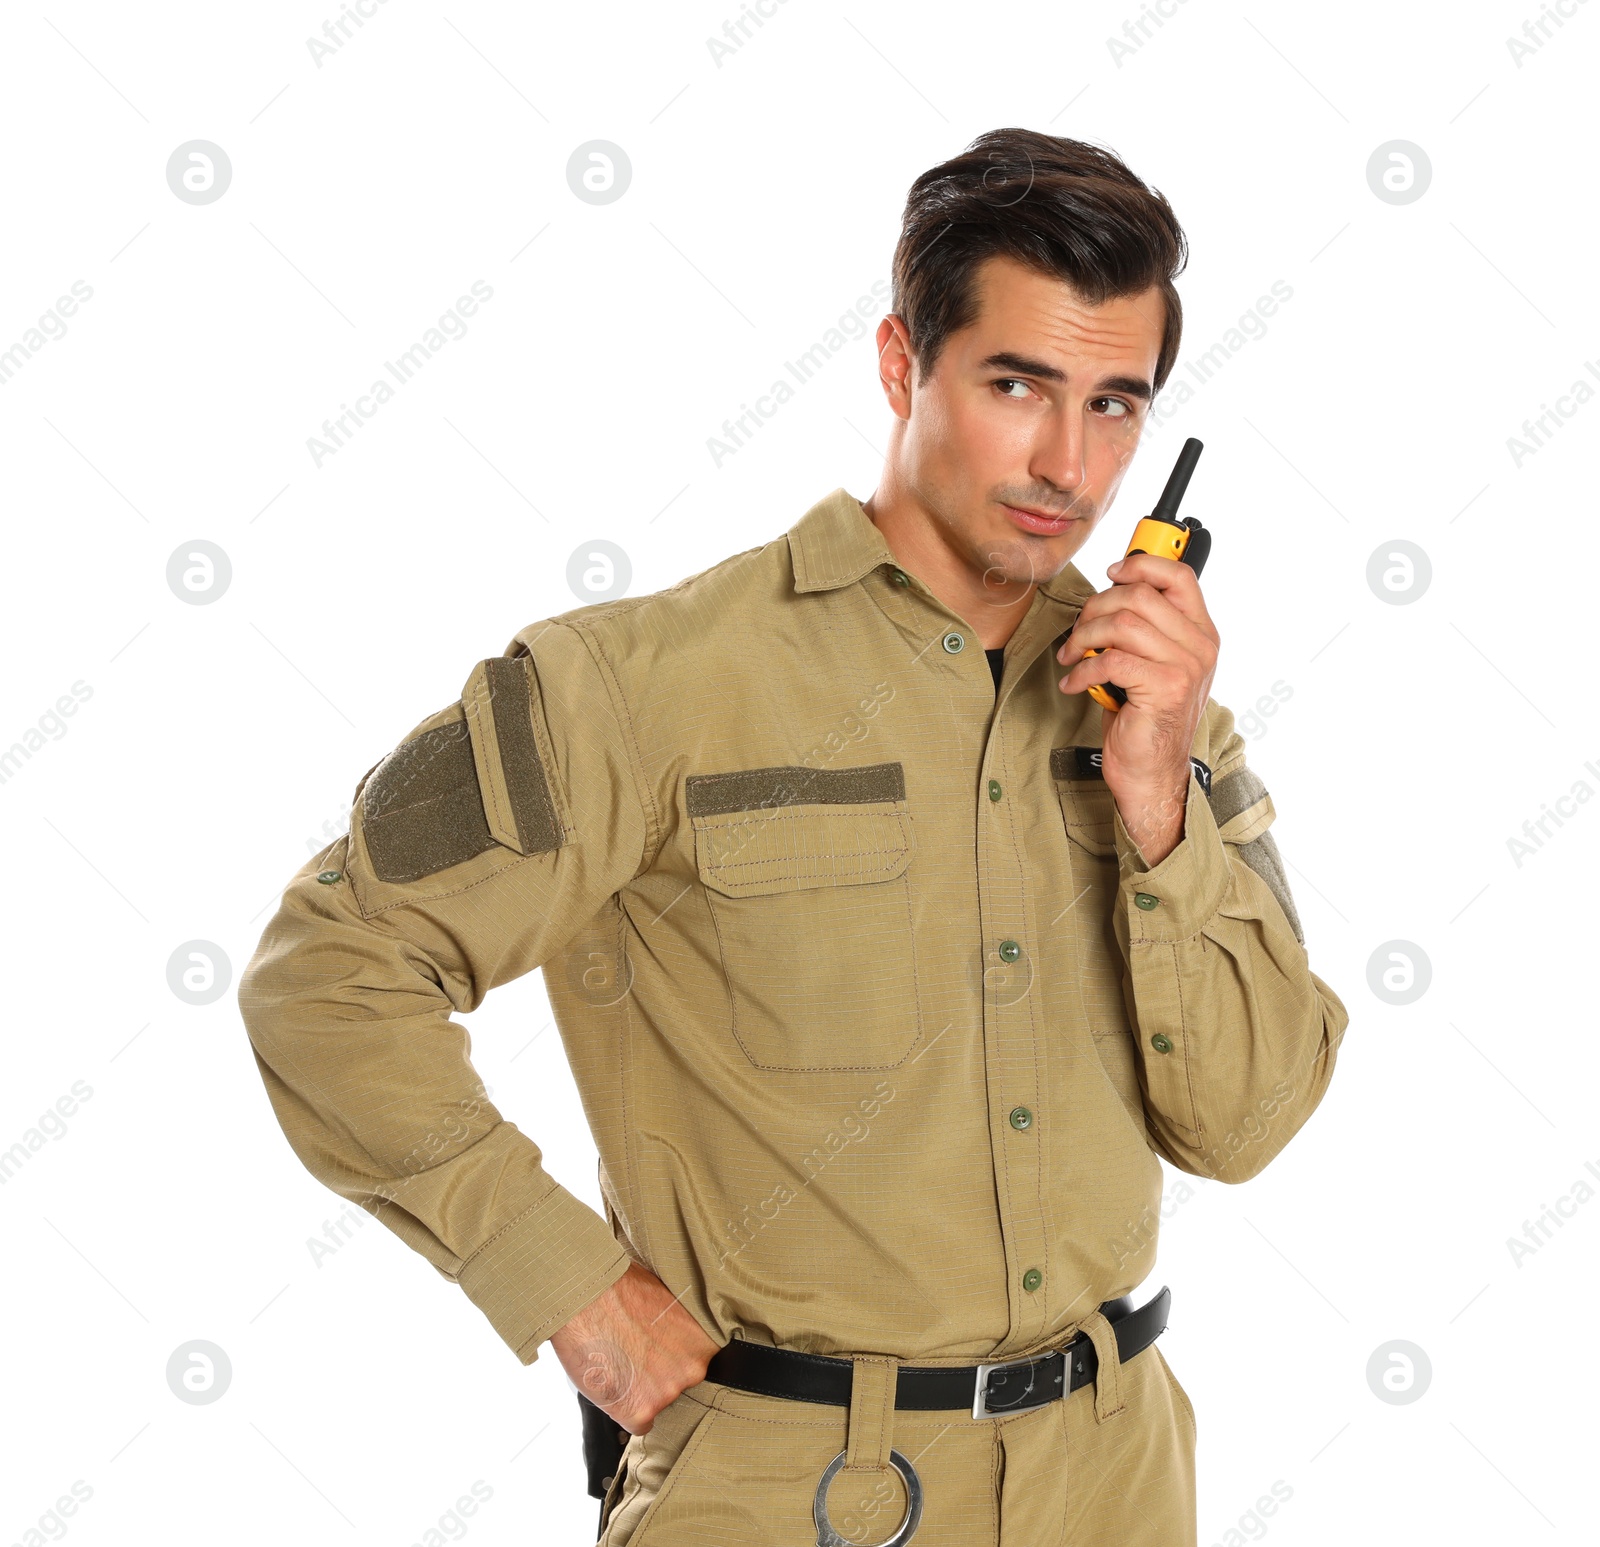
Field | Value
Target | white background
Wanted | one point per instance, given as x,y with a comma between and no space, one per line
218,744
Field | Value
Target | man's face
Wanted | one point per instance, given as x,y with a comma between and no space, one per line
1036,407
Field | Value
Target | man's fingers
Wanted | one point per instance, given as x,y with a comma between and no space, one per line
1113,665
1125,627
634,1349
1174,579
1163,573
1150,605
1129,629
1149,683
1141,619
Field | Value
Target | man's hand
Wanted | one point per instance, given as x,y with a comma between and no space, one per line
634,1349
1158,643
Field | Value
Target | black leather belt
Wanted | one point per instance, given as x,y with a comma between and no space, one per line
985,1390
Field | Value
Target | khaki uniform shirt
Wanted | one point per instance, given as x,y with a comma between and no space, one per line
878,1019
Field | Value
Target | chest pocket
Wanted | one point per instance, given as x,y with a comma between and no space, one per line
806,874
1088,810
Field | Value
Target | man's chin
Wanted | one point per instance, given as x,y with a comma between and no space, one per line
1011,561
1039,554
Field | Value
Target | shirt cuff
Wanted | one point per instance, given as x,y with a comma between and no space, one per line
1187,887
542,1269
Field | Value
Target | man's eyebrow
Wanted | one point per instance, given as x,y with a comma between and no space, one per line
1025,365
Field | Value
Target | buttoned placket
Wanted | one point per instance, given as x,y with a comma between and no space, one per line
1015,1045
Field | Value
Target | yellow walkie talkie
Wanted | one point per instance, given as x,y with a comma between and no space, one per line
1162,533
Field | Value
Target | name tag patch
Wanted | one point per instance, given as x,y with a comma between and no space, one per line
1084,763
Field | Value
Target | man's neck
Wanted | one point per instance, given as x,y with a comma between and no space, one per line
992,609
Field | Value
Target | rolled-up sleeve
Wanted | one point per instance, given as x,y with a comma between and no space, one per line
1237,1037
476,850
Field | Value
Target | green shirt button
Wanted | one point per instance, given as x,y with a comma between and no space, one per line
328,877
1032,1279
994,789
1009,950
1021,1118
899,577
1146,901
1161,1042
953,642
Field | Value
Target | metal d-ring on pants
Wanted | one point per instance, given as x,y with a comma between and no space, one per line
828,1537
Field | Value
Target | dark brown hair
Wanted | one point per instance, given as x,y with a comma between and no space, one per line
1060,206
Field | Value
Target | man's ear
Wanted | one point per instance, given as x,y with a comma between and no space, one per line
896,364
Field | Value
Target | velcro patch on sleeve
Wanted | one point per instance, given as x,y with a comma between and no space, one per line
1262,856
510,755
421,811
1236,792
1243,812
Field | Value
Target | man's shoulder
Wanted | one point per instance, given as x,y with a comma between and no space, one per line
710,609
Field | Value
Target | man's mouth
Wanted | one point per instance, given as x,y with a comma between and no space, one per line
1044,522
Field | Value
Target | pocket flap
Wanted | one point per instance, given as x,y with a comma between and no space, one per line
1086,803
791,848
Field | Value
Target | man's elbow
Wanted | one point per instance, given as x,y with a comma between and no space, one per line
1221,1160
266,997
1282,1117
1241,1146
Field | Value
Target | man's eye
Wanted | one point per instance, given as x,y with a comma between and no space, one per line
1115,402
1010,381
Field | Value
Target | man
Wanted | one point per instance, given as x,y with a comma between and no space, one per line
887,962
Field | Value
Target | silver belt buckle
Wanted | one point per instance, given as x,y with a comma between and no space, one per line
980,1393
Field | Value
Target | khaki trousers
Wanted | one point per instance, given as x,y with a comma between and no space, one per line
1110,1465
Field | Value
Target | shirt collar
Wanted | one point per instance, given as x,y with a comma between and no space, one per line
835,543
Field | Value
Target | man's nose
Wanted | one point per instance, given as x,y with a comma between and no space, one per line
1058,457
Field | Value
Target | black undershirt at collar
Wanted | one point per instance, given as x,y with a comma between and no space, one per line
996,665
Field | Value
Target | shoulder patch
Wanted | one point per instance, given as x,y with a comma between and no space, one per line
421,809
465,784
